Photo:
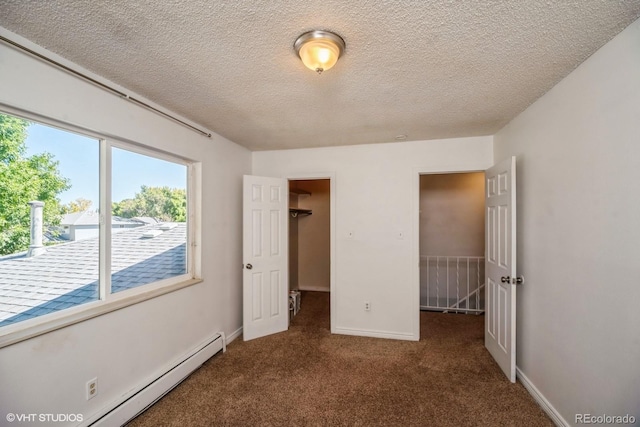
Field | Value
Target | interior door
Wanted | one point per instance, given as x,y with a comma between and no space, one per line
265,256
500,223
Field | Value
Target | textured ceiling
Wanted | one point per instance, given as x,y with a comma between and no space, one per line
423,68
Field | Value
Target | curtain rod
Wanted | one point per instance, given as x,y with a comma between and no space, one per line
103,86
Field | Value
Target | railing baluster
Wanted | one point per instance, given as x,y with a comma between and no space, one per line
428,279
457,282
447,282
468,293
437,281
478,285
463,303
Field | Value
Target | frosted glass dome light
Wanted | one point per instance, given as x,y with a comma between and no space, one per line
319,50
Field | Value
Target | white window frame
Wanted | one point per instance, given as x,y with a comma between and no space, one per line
108,301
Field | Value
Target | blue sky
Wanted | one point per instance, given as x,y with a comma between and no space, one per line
78,161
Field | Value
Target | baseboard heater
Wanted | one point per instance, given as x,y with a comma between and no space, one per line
138,401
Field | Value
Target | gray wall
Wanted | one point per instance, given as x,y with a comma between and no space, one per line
452,214
578,172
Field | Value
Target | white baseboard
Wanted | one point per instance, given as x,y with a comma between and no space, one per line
542,401
375,334
134,402
314,288
235,334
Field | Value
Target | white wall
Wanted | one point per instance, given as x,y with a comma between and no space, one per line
376,200
578,150
47,374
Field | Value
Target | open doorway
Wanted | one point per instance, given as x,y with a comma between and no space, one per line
452,240
310,250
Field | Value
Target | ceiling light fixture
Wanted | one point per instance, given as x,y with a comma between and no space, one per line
319,50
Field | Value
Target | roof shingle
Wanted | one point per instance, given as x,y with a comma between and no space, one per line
67,274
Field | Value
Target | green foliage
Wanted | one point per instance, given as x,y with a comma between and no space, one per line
13,132
163,203
78,205
23,179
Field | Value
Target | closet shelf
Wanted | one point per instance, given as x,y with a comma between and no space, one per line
299,191
295,212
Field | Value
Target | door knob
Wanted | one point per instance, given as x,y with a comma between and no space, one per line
514,281
249,266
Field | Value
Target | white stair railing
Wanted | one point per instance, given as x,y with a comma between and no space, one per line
465,299
452,283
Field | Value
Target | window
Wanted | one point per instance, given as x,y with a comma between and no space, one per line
86,221
39,272
156,249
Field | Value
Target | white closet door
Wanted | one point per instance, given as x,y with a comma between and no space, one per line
265,256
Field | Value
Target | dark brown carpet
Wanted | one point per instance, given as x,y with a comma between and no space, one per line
306,376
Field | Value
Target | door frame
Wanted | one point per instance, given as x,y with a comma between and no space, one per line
415,232
333,289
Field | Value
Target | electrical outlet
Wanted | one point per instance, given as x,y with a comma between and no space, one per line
92,388
367,306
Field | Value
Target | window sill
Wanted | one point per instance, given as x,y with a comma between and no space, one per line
31,328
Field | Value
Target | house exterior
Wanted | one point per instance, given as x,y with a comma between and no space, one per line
578,233
85,225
